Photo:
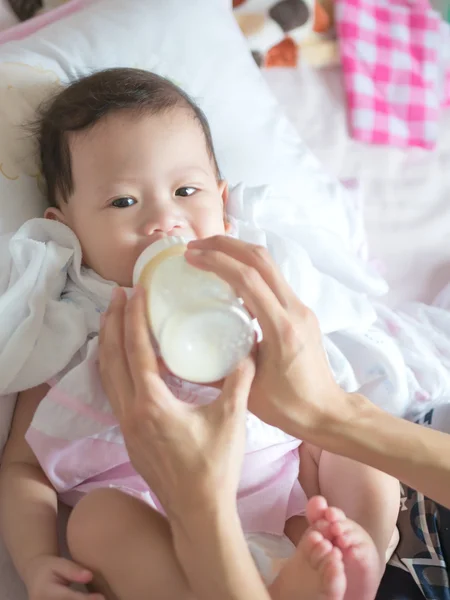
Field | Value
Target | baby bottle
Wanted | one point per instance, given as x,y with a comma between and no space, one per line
200,326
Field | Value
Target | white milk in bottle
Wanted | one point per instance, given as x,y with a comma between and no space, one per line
202,329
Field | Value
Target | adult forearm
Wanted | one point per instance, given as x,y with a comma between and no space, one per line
28,514
416,455
215,558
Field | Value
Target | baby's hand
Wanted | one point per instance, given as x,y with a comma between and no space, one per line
49,577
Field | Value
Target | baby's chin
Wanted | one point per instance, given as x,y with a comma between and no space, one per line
126,282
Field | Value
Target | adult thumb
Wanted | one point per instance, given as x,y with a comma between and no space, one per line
236,387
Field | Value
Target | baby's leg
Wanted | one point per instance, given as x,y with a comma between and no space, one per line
366,495
128,546
369,498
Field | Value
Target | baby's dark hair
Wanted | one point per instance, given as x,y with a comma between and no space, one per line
85,102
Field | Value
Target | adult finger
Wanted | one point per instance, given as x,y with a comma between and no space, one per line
142,362
113,363
254,256
137,338
247,283
236,387
163,369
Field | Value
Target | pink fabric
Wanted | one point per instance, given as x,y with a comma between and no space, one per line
23,30
395,70
80,448
447,89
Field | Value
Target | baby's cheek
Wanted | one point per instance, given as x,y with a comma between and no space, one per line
105,259
122,263
214,226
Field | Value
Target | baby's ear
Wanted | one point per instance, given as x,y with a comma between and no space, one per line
55,214
223,190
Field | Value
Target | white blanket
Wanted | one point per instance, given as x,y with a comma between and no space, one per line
50,303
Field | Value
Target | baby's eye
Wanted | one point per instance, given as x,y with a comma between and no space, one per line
185,191
123,202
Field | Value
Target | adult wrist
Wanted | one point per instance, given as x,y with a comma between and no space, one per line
210,518
213,553
336,425
356,430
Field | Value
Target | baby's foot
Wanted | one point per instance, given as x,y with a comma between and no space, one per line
361,560
315,572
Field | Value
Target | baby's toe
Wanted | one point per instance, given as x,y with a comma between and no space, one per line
341,527
333,514
333,576
319,552
315,509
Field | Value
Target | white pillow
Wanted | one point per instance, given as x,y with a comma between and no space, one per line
198,44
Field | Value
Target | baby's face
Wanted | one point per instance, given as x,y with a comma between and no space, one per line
138,178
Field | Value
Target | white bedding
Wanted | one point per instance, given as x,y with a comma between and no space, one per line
406,193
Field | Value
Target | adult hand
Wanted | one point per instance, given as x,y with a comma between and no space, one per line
191,457
294,388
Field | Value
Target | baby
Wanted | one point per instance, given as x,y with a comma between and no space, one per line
128,157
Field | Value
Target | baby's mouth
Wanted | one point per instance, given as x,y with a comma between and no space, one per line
155,237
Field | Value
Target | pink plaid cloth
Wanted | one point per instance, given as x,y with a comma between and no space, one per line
396,65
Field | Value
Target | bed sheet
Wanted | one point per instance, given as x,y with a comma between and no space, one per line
405,193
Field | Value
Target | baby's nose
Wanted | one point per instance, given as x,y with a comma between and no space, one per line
165,222
167,231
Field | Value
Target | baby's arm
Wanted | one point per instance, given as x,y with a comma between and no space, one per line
28,502
28,514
